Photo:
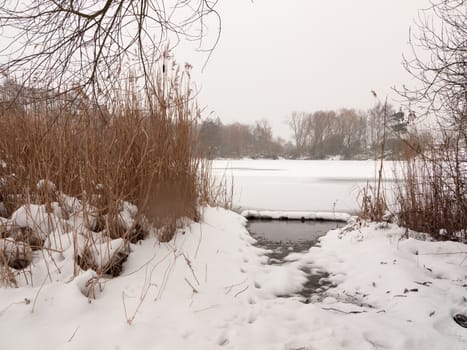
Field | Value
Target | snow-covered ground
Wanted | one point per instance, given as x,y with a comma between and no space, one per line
210,288
300,185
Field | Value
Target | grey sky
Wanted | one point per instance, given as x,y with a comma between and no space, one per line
275,57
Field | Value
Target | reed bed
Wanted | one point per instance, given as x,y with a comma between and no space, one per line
139,148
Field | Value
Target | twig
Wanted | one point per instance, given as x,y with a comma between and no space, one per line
207,308
194,289
25,301
450,253
229,288
145,289
72,336
344,312
165,278
37,294
240,292
124,308
199,241
188,262
426,283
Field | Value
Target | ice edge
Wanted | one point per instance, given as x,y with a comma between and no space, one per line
295,215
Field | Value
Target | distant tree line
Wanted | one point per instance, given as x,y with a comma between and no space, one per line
348,133
238,140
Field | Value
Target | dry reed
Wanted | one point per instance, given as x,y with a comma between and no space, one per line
140,149
432,195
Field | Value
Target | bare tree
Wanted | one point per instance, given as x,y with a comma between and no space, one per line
322,127
352,126
438,62
237,140
210,137
93,44
262,136
299,122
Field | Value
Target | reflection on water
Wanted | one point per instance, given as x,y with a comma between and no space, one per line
281,238
291,231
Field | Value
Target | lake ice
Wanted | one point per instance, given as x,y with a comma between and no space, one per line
301,185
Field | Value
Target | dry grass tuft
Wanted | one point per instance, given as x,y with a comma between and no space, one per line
215,191
7,277
373,205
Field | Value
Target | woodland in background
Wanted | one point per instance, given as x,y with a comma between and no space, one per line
348,133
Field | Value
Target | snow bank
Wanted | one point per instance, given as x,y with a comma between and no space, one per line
169,287
409,287
295,215
37,218
211,288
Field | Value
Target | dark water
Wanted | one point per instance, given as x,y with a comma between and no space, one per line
285,237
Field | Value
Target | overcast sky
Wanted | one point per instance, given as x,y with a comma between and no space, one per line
276,56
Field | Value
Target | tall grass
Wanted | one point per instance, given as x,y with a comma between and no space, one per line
431,188
432,193
373,203
140,148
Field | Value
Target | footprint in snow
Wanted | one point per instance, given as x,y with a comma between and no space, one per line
251,318
223,340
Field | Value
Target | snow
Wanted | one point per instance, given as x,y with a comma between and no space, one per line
210,287
99,251
46,185
127,215
37,218
295,215
301,185
12,250
420,284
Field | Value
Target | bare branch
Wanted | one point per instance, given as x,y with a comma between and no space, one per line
62,44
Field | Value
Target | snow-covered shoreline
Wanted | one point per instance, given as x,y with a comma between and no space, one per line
295,215
211,288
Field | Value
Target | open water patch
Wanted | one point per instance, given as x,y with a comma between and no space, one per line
282,238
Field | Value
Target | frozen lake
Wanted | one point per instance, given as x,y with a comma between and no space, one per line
314,185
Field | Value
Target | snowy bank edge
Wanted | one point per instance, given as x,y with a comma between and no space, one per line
295,215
